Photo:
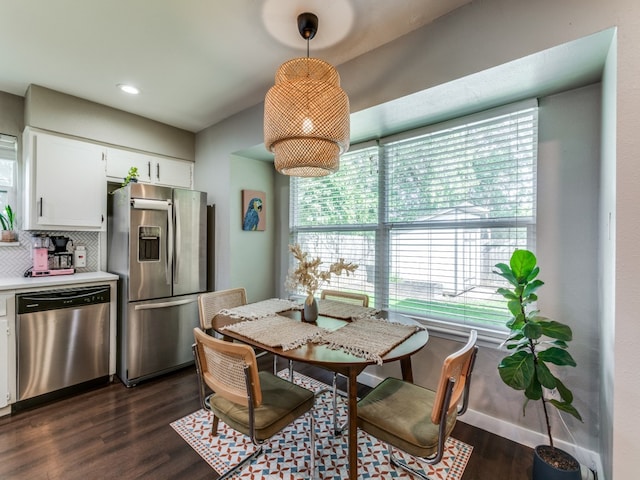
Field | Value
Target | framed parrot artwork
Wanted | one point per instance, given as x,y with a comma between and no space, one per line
254,214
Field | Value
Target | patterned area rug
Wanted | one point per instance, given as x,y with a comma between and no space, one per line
287,456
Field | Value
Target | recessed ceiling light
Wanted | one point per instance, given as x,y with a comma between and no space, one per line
128,89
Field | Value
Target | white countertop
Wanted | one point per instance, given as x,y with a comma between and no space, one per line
21,283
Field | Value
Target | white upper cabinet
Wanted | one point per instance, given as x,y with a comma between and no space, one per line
65,183
151,169
173,173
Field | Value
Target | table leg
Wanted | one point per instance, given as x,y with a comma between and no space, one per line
352,441
407,372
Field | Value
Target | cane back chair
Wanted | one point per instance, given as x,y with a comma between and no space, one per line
210,303
361,299
256,404
417,420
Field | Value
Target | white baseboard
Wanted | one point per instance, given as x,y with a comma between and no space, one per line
368,379
589,459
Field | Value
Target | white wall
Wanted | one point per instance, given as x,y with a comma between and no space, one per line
251,258
12,114
481,35
607,268
214,149
59,112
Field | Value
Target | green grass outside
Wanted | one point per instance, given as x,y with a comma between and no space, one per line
479,313
452,310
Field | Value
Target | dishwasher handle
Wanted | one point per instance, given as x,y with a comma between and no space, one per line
57,299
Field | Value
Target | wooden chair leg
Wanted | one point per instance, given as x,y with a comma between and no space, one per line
214,426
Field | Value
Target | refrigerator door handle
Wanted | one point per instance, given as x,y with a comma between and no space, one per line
175,303
170,238
178,249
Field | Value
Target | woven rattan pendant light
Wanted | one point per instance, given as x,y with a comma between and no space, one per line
306,113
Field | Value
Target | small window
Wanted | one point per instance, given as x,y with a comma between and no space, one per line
8,171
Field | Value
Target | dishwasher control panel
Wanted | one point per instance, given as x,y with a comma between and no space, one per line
63,298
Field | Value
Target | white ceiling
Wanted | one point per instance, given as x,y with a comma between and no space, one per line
195,61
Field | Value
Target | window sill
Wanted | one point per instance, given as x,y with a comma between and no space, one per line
486,337
9,244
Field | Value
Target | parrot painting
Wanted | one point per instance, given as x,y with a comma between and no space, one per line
252,217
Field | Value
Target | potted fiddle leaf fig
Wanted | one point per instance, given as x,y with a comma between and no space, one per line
8,219
537,342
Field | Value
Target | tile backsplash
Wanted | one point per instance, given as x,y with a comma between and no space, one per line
15,260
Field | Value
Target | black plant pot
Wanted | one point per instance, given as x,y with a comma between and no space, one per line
544,469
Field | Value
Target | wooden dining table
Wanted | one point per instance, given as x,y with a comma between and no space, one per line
338,361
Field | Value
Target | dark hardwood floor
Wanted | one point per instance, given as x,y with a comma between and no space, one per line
113,432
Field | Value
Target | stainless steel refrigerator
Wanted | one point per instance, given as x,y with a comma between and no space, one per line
157,245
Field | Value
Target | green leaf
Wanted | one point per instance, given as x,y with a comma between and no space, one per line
514,307
534,390
545,377
517,370
532,330
556,330
506,273
503,267
566,407
532,287
516,323
522,264
508,294
515,336
533,274
560,344
564,392
516,341
557,356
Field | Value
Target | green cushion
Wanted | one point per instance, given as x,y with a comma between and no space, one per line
282,403
399,413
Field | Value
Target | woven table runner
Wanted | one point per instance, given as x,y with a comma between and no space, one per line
277,331
344,310
368,337
261,309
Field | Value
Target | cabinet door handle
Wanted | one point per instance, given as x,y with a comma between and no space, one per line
149,169
40,206
157,171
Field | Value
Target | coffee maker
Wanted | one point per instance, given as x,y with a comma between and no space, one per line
40,255
52,256
62,259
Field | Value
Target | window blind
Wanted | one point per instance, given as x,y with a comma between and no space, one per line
8,170
428,213
337,216
460,200
8,161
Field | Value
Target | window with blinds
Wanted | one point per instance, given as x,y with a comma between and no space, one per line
427,214
8,170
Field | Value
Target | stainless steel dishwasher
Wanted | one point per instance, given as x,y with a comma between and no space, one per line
63,339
